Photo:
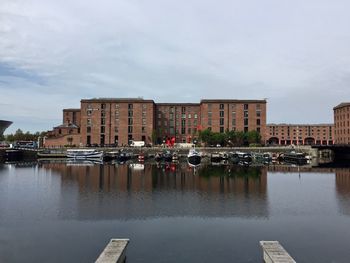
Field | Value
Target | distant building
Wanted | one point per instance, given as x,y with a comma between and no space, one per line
3,126
117,121
300,134
342,123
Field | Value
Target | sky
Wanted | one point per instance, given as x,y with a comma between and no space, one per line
53,53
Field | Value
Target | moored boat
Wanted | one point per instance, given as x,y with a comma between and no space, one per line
194,157
84,154
51,154
295,158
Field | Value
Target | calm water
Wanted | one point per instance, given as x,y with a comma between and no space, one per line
58,212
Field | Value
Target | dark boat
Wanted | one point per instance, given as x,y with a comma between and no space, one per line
167,156
194,157
164,156
158,157
13,155
295,158
124,156
47,154
241,157
109,156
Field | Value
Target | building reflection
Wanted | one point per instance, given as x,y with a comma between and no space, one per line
134,191
342,182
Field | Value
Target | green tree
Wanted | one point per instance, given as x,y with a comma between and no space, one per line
253,137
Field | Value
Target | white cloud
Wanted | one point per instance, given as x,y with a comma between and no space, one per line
293,52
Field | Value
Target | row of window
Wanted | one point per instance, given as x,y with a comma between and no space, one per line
116,129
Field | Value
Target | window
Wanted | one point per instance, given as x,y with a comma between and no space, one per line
209,122
130,106
195,116
88,129
233,122
129,129
245,106
221,129
130,121
258,114
117,106
245,114
103,121
221,113
88,122
103,114
102,129
245,122
221,106
221,121
116,130
89,112
189,116
143,121
143,129
103,106
258,122
130,113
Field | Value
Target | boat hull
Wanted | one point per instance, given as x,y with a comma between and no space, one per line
194,159
82,156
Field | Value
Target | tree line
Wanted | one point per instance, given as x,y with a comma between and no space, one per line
19,135
230,138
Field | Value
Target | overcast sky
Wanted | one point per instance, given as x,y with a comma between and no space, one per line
55,52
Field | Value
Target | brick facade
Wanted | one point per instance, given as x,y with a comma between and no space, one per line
116,121
300,134
238,115
109,121
342,123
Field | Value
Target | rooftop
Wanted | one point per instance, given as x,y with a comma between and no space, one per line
231,101
301,125
341,105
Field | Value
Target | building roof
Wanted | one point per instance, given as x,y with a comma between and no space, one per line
178,104
102,100
4,125
231,101
71,109
70,126
341,105
301,125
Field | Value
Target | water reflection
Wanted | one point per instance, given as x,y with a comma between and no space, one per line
342,182
140,191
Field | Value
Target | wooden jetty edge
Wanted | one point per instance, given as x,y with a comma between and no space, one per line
114,252
275,253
